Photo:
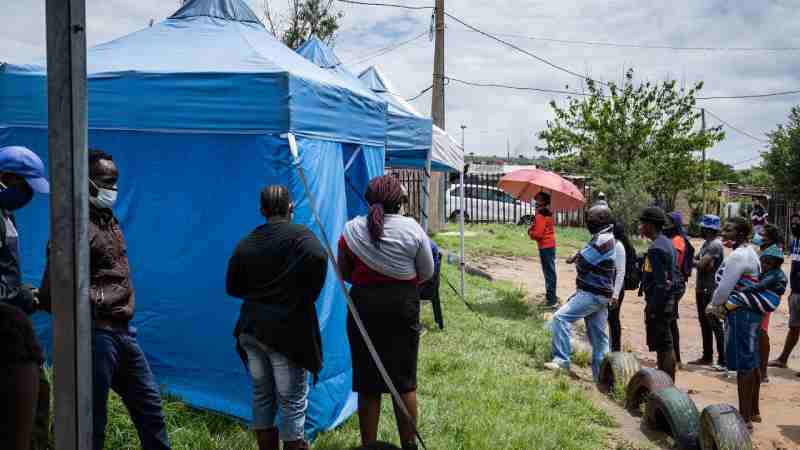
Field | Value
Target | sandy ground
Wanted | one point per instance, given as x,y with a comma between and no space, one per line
779,399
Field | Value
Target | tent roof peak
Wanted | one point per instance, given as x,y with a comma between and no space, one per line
233,10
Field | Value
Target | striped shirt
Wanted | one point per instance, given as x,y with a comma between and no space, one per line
596,267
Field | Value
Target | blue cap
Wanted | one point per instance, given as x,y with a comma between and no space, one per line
757,240
773,251
25,163
711,222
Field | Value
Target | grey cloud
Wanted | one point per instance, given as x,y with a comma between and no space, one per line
520,115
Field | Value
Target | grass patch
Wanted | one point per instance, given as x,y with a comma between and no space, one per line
509,240
513,241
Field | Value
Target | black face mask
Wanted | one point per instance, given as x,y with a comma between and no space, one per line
796,229
14,197
595,227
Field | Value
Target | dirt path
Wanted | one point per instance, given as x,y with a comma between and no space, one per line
779,399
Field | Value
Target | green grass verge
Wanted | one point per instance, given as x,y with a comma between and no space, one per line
513,241
509,240
481,387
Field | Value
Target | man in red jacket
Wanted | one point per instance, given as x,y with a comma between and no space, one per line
543,231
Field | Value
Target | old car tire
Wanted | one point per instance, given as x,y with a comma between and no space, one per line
617,369
722,427
672,411
643,383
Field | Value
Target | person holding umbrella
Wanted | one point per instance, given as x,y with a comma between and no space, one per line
543,231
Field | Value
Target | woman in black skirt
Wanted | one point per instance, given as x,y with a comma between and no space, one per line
385,256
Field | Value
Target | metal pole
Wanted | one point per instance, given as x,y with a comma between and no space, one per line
69,217
461,209
703,119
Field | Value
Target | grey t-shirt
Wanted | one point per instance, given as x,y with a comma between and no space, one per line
705,280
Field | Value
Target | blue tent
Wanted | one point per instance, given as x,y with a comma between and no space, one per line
409,134
324,57
192,110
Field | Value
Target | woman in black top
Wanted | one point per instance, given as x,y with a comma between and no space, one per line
279,270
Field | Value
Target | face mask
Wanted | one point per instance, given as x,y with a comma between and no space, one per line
106,198
14,198
796,229
595,227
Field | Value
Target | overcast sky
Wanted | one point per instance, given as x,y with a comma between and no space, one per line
494,116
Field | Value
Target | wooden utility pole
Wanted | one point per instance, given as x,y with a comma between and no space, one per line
703,125
69,218
438,115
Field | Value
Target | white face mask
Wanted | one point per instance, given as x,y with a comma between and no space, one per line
106,198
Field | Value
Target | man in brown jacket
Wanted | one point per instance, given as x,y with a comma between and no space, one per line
119,362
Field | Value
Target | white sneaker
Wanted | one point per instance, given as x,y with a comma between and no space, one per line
554,366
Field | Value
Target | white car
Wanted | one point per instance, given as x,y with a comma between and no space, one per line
487,204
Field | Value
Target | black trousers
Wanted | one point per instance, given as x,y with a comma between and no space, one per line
615,326
711,329
676,335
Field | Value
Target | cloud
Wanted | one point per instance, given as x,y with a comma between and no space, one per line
494,116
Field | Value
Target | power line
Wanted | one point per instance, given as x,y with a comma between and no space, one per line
732,97
516,88
392,5
522,50
652,47
386,50
423,92
738,130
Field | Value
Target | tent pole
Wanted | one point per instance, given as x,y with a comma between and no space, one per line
461,209
69,219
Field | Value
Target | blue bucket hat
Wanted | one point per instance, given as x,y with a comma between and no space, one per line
773,252
25,163
711,222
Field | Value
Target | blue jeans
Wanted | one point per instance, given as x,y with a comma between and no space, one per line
120,364
278,385
548,259
594,310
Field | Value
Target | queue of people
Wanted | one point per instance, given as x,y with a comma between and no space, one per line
279,270
741,290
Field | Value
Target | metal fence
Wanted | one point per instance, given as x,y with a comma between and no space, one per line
484,201
780,212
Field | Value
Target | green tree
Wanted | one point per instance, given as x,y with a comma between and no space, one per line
782,159
717,171
640,141
302,19
754,176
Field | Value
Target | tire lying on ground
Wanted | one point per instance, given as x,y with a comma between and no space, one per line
722,428
643,383
673,412
617,368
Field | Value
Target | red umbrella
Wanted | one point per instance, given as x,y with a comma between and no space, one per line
524,184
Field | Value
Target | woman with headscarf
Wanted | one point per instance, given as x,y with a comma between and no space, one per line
385,256
742,324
